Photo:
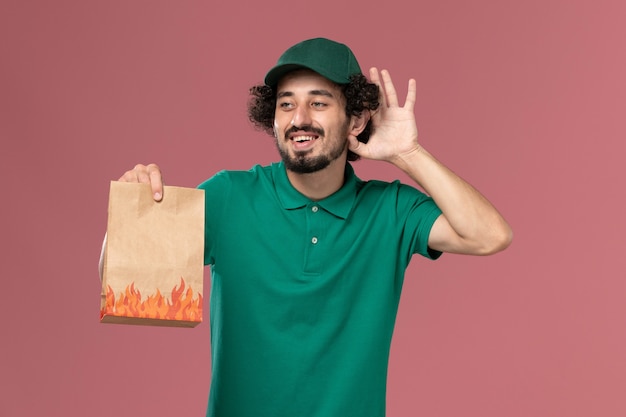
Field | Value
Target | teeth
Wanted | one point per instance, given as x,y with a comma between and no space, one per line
303,138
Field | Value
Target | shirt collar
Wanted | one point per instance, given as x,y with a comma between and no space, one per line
339,203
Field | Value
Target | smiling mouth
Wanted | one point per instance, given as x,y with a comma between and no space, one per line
301,139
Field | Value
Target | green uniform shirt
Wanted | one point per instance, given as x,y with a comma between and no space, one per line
304,293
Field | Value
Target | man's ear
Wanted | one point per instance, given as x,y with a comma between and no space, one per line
358,123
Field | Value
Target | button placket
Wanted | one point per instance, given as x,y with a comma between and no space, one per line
314,209
315,231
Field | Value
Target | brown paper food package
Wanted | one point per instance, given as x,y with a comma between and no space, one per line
153,262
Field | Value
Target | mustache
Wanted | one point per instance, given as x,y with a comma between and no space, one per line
306,128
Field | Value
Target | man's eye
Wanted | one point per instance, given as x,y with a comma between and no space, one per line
319,104
284,105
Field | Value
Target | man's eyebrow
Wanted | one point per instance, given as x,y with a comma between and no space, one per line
325,93
321,93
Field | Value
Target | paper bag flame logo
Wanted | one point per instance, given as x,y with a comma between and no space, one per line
129,304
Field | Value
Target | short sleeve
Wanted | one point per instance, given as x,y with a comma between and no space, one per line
420,213
216,193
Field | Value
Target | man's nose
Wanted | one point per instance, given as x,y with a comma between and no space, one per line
301,117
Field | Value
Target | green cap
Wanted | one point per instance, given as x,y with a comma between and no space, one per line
330,59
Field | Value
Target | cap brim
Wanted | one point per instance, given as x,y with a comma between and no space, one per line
276,73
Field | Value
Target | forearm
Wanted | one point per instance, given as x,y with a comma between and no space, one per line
478,227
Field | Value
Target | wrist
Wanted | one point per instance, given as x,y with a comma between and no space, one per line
409,159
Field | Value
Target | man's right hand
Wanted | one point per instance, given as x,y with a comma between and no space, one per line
147,174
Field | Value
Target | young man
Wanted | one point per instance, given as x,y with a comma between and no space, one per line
308,260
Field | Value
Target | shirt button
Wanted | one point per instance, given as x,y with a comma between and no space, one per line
314,209
314,240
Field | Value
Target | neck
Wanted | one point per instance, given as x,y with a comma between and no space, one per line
319,185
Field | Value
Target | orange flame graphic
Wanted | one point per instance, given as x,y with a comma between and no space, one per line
130,305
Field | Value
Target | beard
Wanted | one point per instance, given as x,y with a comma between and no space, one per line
302,163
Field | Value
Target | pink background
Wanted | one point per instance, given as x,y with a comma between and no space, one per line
525,99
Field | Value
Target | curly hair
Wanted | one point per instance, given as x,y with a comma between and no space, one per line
360,95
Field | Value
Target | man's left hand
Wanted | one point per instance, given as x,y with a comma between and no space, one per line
394,133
